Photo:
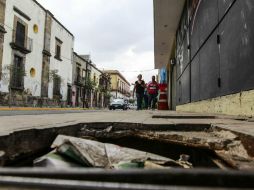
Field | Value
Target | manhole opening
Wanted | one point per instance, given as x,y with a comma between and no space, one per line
199,157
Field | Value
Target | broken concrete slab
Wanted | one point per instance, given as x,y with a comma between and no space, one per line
45,128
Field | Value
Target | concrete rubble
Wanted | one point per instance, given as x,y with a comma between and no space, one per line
225,143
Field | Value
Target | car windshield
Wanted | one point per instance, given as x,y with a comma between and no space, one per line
118,101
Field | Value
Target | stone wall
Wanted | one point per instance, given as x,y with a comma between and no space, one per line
46,56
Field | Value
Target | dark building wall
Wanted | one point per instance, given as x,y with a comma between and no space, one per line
215,49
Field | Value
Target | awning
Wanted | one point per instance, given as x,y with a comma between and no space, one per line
167,14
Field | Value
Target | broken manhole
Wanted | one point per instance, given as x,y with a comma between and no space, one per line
140,155
188,146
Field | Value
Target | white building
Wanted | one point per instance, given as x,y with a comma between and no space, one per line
38,45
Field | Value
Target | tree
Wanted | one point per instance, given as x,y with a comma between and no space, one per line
57,81
89,85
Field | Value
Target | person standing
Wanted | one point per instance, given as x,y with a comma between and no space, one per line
139,88
146,99
152,89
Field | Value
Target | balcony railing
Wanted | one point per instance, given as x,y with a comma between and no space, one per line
22,43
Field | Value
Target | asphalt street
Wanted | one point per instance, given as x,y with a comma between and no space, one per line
44,112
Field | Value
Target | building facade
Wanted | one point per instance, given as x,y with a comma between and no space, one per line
120,87
35,54
80,71
90,85
207,47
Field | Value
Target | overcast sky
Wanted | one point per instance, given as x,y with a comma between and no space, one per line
117,33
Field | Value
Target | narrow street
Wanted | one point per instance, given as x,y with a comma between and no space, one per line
44,112
126,95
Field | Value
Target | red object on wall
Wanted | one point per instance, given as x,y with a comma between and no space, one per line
163,98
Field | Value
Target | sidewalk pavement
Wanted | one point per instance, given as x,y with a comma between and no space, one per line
9,124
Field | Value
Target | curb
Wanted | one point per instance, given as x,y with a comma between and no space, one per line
40,109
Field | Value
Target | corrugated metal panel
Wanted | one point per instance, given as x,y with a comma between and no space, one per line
223,7
195,34
224,63
186,86
174,88
208,12
195,79
209,69
179,92
237,48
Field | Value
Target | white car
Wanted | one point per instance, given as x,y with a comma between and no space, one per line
118,104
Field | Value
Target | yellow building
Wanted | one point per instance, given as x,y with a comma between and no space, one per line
120,87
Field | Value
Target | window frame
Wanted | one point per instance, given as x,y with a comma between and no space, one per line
58,49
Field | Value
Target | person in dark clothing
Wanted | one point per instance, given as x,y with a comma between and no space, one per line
139,88
146,99
153,90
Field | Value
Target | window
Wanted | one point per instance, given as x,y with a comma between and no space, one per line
20,34
36,28
78,70
32,72
83,73
57,86
58,49
17,73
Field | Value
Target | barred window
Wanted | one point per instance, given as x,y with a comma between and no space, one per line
17,75
57,86
20,34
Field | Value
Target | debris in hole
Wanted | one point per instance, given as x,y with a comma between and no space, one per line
226,145
109,129
184,161
88,153
53,159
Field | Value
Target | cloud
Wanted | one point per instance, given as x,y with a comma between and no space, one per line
117,33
